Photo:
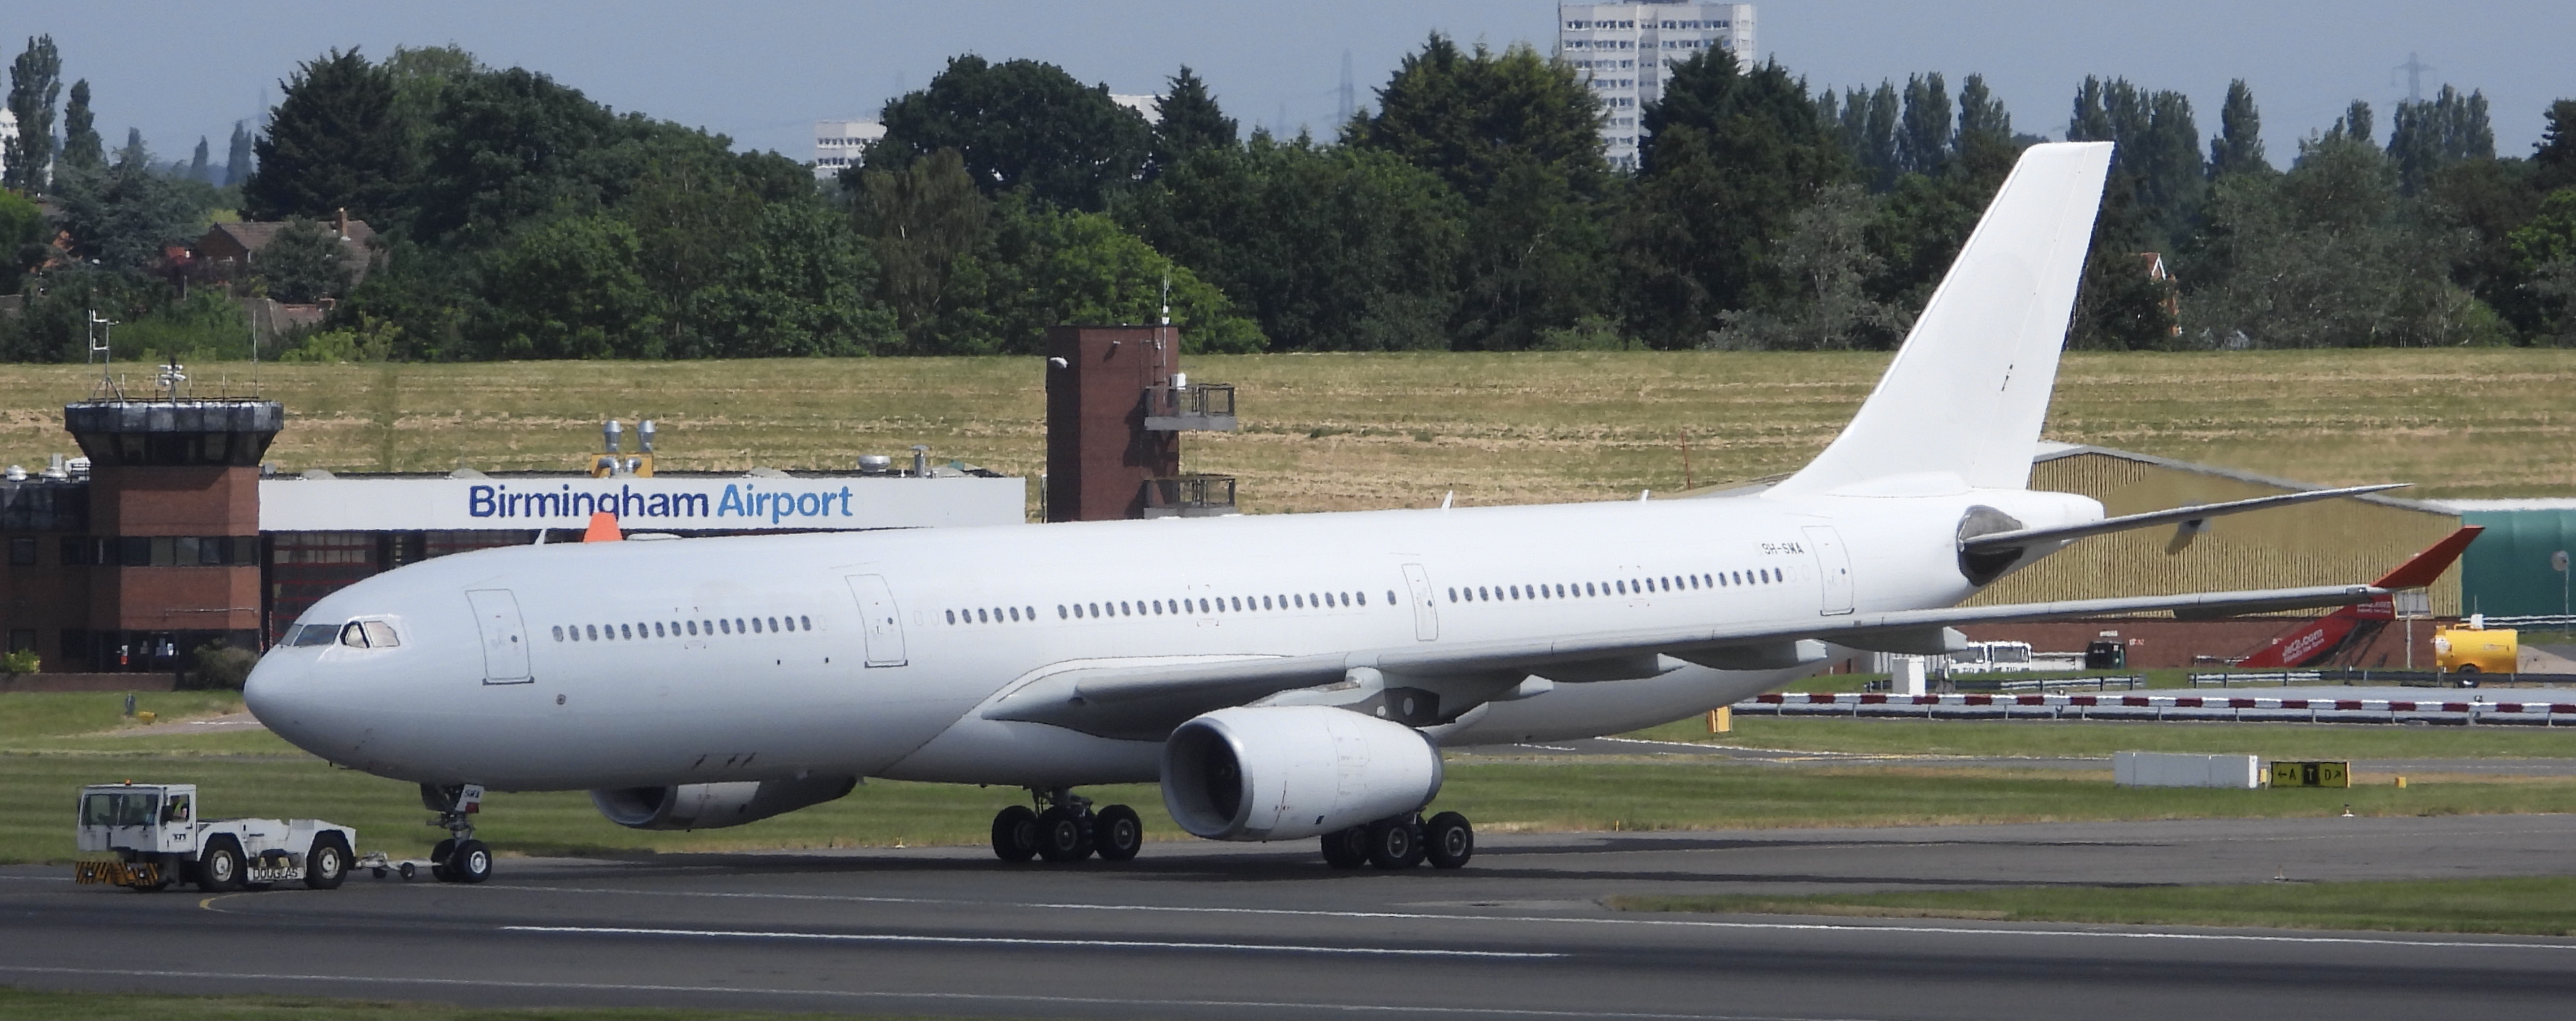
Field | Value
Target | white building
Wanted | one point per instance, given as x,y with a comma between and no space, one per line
1623,51
8,133
837,145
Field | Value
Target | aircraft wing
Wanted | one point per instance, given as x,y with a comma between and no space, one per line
1146,702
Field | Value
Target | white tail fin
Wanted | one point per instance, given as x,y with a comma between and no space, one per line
1966,394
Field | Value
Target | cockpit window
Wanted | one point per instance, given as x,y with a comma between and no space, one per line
317,634
380,635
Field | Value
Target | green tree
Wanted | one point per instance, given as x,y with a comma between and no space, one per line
1824,303
1730,158
797,289
333,142
23,237
82,148
2426,136
35,81
923,218
511,146
1869,134
1049,266
1985,142
123,217
134,153
200,169
1924,134
573,288
1019,123
1187,120
304,263
1328,248
2544,251
1475,117
2354,124
2238,147
2554,158
238,158
2157,160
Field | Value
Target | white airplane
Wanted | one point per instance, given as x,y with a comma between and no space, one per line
1283,677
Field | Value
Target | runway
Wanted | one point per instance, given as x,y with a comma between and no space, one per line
1193,930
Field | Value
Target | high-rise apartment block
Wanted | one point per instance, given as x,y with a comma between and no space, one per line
1624,51
838,144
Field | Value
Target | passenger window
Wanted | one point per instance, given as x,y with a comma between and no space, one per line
952,616
380,635
558,632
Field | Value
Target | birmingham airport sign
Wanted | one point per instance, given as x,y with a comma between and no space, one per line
364,504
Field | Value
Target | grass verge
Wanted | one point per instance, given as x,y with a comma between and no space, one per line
21,1004
2081,739
2537,906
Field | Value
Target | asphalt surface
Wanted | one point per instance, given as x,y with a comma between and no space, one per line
1625,747
1220,931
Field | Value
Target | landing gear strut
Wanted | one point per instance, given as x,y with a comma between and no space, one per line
460,858
1063,828
1402,842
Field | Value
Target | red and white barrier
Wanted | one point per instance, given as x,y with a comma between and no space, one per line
2177,707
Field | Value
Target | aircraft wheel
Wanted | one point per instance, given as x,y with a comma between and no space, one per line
1015,834
470,862
1062,836
219,870
438,856
1448,840
1119,833
1347,849
327,865
1395,843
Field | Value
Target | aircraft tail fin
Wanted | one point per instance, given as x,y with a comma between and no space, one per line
2324,639
1969,388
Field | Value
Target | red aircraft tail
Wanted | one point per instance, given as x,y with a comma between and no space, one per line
2315,641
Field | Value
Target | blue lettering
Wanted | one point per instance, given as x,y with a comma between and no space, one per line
808,505
478,501
845,501
732,503
695,505
628,498
659,506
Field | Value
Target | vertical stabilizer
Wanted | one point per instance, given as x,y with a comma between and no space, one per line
1963,401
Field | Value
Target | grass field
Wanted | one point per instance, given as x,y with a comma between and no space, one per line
1341,432
2539,906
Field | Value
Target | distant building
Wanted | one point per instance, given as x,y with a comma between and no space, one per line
839,144
8,133
230,250
1149,106
1622,51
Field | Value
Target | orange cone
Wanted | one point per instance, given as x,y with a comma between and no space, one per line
603,528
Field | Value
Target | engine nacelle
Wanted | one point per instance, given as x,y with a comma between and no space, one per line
1287,772
706,806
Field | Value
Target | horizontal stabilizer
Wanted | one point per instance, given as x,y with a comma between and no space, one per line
2178,515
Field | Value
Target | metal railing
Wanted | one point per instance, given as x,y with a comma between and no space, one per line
1199,406
1190,496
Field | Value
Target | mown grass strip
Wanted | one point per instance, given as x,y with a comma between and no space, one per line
2531,906
18,1003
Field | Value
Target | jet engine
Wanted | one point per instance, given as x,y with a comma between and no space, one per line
1287,772
706,806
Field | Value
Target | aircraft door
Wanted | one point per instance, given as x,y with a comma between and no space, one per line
884,623
505,638
1426,614
1833,568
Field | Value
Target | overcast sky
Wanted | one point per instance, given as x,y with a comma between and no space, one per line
763,72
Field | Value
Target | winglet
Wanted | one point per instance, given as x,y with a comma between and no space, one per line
2422,568
603,528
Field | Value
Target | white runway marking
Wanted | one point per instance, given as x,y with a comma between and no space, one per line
1826,927
612,987
1086,944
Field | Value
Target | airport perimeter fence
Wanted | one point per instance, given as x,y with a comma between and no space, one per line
2374,678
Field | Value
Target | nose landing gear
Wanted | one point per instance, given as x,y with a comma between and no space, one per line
1063,828
460,858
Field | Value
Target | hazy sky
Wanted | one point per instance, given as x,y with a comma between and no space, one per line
762,72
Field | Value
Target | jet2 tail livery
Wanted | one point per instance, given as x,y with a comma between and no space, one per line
1283,677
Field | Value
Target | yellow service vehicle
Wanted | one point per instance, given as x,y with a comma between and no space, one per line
2475,648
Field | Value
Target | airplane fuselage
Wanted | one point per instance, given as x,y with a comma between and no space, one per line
637,663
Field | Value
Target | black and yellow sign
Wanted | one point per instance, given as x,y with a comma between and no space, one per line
2312,774
116,873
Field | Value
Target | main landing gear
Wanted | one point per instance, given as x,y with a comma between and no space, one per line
1063,828
1402,842
460,858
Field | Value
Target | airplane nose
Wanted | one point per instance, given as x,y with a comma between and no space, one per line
280,693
